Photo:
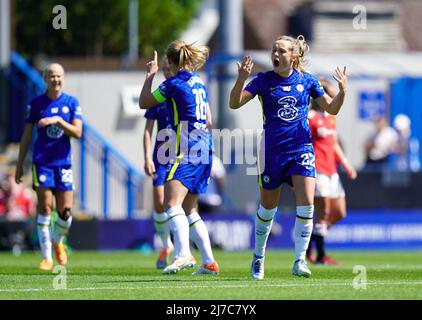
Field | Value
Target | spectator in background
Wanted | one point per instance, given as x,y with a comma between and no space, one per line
17,203
21,203
405,144
4,196
380,145
212,200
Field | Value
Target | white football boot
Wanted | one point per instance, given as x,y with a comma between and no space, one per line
180,264
257,267
300,269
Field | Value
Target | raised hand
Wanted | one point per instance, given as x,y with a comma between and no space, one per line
245,68
341,78
152,66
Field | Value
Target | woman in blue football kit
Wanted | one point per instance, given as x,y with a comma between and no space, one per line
57,117
190,154
287,154
158,171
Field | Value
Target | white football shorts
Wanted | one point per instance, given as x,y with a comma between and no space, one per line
328,186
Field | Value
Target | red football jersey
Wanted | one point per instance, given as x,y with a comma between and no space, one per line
323,129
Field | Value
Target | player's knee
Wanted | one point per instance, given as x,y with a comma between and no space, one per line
170,204
65,214
269,203
189,210
159,208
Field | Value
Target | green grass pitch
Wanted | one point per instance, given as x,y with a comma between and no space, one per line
131,275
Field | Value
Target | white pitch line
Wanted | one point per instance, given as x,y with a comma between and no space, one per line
369,283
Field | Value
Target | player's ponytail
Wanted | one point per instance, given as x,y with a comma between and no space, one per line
187,56
299,48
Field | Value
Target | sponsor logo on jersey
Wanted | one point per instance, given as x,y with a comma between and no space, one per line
324,132
288,110
54,132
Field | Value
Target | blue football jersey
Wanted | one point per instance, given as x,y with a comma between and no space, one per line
161,115
188,99
52,146
285,104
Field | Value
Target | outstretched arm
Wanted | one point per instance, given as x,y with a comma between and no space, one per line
332,106
146,99
238,96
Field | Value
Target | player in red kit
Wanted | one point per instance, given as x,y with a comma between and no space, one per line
330,200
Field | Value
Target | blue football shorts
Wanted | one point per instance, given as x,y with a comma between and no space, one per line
280,166
195,177
160,175
53,177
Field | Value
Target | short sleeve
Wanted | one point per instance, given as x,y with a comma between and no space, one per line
315,90
30,114
76,109
253,87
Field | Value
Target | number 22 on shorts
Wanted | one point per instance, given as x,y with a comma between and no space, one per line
308,159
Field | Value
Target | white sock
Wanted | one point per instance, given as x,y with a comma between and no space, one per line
61,229
44,236
162,229
263,223
198,232
179,226
303,230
